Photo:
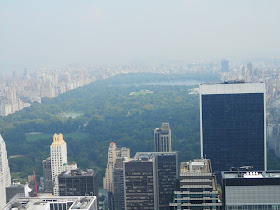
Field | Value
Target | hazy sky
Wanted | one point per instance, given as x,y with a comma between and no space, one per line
127,31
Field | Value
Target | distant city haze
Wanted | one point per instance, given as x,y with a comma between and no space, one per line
35,33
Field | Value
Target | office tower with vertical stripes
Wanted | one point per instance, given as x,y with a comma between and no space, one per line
149,180
162,138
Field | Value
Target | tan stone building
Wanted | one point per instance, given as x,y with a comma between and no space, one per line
113,153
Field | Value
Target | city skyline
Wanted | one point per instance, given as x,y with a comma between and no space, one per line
108,73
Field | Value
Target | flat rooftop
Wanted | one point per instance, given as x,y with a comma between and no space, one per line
30,203
250,174
231,88
150,155
196,166
78,172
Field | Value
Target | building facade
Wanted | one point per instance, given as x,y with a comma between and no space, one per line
5,176
162,138
118,184
14,189
59,162
233,125
47,174
251,190
140,184
78,183
197,187
113,153
167,173
149,180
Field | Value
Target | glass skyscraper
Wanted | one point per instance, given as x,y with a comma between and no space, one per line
233,125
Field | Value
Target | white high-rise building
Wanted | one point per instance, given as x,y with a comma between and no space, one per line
5,176
113,153
59,161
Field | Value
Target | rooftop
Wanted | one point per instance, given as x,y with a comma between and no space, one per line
231,88
150,155
16,186
73,202
250,174
78,172
58,140
196,166
164,129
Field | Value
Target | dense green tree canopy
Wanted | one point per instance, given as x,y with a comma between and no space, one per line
123,109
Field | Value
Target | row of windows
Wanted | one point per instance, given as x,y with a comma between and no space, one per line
253,207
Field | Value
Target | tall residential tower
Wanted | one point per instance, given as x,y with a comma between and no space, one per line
59,161
113,153
233,125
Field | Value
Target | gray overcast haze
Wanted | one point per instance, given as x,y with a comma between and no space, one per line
129,31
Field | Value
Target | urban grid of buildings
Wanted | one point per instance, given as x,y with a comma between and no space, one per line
238,121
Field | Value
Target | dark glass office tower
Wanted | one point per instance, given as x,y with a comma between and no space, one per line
166,167
118,184
149,180
78,183
139,184
233,125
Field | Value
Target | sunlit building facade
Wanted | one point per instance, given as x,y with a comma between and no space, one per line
59,162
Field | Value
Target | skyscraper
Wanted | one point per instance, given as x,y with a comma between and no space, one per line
162,138
47,174
197,188
78,183
250,68
251,190
139,184
149,180
233,125
59,161
5,176
113,153
224,65
118,184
